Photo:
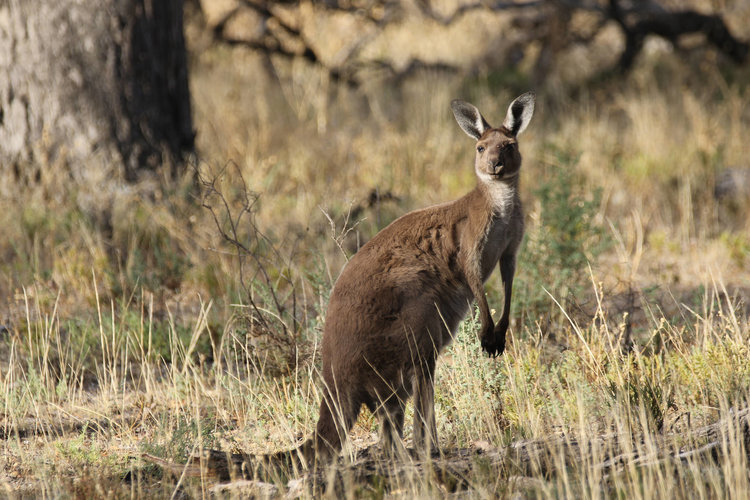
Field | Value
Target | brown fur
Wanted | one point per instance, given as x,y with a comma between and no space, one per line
399,300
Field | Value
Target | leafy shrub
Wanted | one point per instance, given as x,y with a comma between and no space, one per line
558,248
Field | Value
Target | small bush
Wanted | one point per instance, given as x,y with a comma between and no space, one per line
557,249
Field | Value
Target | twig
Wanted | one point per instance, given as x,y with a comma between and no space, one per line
254,247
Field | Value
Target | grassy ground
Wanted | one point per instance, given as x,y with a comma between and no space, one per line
132,326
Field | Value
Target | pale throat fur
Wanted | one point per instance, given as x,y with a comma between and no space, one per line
503,210
502,194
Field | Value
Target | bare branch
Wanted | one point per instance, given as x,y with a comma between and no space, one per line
234,218
671,26
426,8
271,44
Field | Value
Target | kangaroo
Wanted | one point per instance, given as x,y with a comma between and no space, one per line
399,300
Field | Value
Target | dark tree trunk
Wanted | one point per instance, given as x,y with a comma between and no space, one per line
93,85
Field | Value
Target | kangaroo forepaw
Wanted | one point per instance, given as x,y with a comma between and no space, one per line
494,344
495,347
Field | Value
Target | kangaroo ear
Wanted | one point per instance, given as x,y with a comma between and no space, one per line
469,118
519,113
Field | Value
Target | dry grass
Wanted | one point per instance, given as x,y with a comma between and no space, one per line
125,324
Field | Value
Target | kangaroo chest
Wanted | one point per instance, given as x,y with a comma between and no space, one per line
494,245
501,234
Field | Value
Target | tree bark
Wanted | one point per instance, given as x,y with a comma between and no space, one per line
97,87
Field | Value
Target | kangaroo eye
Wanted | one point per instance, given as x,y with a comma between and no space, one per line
480,149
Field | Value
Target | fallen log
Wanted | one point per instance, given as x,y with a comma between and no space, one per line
461,468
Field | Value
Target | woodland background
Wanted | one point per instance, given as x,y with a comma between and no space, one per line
181,184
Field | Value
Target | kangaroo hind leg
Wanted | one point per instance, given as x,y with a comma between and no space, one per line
337,416
390,415
425,427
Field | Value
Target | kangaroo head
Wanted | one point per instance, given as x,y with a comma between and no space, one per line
497,156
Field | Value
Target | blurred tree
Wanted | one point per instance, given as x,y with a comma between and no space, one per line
550,26
87,80
653,20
